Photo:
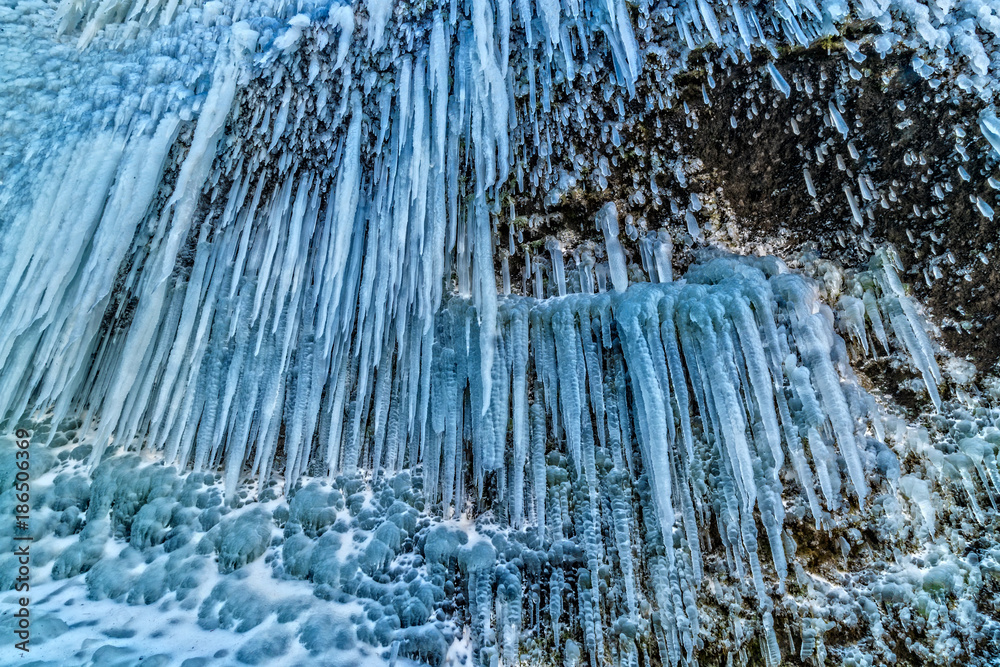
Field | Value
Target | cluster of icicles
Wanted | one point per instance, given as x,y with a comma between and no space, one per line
709,386
210,312
219,318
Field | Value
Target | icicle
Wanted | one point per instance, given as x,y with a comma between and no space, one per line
779,81
558,271
607,222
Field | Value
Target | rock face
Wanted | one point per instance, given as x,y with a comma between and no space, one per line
601,333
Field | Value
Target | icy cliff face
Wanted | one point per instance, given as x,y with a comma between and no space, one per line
282,243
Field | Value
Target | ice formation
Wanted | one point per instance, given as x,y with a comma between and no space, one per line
261,216
257,243
690,418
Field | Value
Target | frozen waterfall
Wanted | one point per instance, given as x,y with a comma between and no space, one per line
308,342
